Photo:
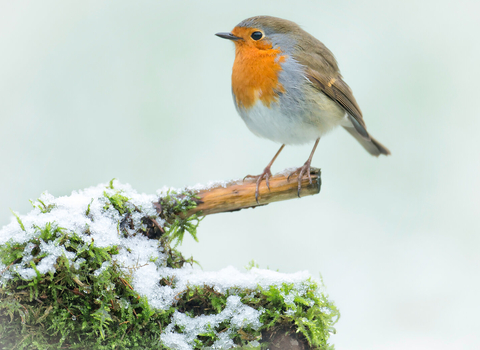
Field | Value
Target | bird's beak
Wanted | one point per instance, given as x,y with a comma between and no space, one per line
228,36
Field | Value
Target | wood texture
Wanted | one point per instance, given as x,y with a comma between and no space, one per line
238,195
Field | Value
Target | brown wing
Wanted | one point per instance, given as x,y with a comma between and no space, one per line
339,91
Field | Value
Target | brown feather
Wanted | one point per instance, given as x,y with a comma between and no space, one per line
339,91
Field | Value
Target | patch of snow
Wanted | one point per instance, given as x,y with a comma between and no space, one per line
212,184
70,213
236,313
286,172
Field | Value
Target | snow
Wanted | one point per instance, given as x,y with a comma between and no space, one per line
210,185
143,258
238,314
146,281
287,171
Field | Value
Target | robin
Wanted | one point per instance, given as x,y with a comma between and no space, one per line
287,88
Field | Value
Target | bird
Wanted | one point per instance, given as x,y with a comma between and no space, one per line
287,87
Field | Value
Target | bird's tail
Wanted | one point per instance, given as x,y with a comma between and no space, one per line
373,147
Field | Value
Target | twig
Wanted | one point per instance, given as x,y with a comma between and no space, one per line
238,195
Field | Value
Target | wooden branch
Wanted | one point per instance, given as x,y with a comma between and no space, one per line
238,195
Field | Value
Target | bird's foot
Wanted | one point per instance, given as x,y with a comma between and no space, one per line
302,171
266,174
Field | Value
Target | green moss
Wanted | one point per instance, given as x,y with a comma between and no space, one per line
74,307
42,206
309,316
118,201
173,208
18,220
312,313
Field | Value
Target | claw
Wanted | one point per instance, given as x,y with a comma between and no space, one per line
302,171
266,174
267,177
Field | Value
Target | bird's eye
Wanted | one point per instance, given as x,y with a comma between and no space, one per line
256,35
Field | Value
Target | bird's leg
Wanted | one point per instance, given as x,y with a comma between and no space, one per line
305,169
266,173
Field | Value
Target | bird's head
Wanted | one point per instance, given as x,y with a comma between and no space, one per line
264,33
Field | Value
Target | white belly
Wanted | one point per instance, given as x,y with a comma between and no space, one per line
294,124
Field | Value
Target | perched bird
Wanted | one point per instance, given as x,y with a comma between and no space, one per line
287,87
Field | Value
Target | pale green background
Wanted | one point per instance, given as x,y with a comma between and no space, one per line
140,91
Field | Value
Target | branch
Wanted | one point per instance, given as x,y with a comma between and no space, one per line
237,195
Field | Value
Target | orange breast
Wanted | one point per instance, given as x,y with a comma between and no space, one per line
255,74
